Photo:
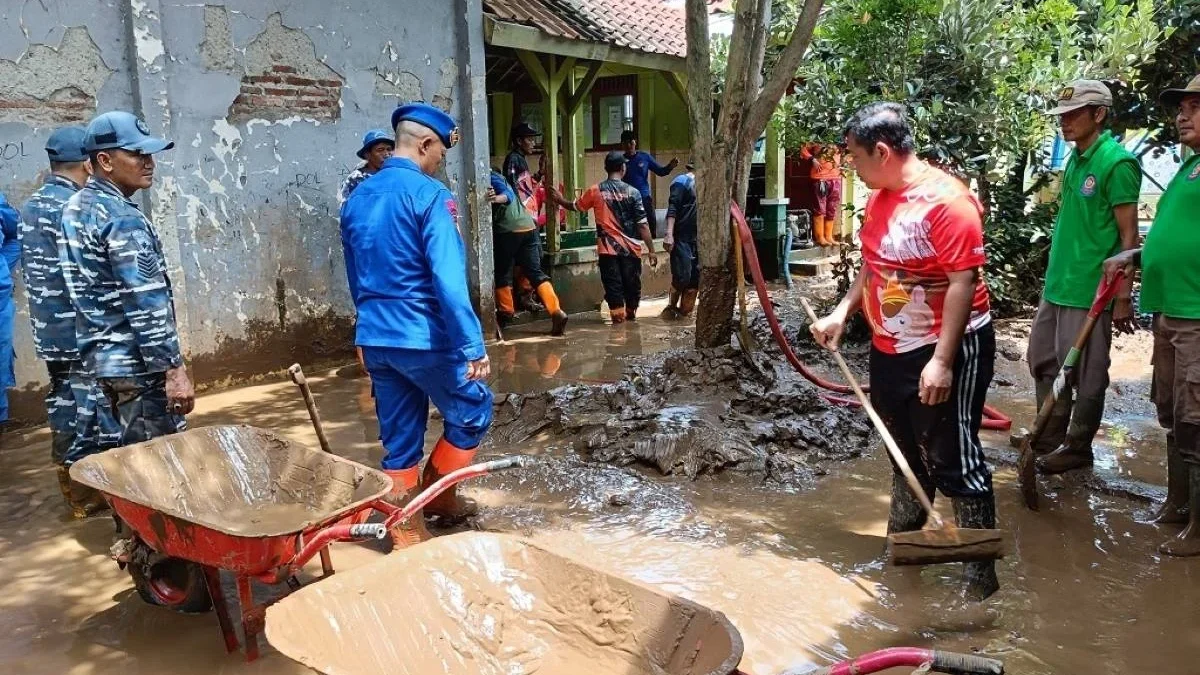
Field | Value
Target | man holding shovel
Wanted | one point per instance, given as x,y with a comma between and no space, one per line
1097,217
1171,291
933,345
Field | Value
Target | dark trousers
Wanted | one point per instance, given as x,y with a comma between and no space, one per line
60,409
622,279
518,248
685,265
139,404
651,217
941,442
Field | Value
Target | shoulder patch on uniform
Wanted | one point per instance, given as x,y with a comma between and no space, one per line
1089,186
452,207
148,263
1195,172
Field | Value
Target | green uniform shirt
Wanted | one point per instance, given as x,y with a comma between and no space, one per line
1170,269
1104,176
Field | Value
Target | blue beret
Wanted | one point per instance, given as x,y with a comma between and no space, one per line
66,144
371,138
428,116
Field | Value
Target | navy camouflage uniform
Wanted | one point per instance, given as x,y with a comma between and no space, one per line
10,251
358,175
125,312
53,321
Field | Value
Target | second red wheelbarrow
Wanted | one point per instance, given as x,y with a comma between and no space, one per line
480,603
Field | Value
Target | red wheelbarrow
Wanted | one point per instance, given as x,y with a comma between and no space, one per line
491,604
244,500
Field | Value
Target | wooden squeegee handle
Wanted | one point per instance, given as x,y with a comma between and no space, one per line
888,441
297,375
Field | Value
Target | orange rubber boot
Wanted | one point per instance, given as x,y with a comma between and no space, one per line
445,459
818,228
405,486
558,318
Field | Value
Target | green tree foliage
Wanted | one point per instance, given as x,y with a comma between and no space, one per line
976,76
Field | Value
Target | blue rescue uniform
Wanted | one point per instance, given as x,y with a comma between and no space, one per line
638,167
10,249
685,262
125,313
406,264
52,318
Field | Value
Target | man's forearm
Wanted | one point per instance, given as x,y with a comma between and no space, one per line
1127,227
956,310
647,238
671,227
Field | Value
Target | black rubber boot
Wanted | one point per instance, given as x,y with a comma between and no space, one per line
1056,427
1174,509
979,513
906,514
1076,450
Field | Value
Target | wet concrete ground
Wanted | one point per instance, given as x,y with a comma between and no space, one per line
799,571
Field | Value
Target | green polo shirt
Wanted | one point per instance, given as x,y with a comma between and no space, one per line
1170,265
1104,176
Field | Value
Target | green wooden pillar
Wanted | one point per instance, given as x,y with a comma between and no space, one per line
502,121
775,163
570,138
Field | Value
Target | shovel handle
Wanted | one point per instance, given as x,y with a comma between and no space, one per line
888,441
297,375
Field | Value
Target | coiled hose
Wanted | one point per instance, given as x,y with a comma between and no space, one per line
992,418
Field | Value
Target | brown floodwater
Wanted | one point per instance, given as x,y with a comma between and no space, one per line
799,572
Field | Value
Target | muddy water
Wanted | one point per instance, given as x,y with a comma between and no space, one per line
798,570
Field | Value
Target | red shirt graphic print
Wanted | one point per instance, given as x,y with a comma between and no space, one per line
912,240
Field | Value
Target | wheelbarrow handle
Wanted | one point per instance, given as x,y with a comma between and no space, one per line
911,657
427,495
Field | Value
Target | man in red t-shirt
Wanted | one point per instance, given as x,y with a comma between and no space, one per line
933,346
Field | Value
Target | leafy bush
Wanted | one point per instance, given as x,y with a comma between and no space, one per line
1017,238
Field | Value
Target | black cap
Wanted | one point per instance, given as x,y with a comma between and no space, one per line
523,130
614,161
691,165
628,135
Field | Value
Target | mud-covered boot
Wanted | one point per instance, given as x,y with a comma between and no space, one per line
446,459
558,323
1055,431
1187,544
82,500
1076,450
906,514
405,486
1174,509
978,513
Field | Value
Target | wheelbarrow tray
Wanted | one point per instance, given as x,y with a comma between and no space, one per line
238,498
489,604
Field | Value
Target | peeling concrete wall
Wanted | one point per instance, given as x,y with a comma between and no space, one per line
267,101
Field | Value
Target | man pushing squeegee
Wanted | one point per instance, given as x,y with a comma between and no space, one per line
932,349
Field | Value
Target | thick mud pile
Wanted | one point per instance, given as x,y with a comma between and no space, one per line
692,412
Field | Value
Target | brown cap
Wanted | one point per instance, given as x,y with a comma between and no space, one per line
1082,93
1175,96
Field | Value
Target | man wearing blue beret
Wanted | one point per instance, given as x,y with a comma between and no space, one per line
377,146
51,314
116,275
420,337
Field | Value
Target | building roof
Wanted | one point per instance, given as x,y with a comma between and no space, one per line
651,26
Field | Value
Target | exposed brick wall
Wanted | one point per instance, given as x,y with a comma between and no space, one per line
281,92
65,106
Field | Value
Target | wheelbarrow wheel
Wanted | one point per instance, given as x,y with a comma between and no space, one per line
173,583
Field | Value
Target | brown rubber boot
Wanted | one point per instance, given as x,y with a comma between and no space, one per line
1187,544
1174,509
82,500
446,459
405,486
688,302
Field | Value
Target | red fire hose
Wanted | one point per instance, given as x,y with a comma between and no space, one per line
992,418
899,657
